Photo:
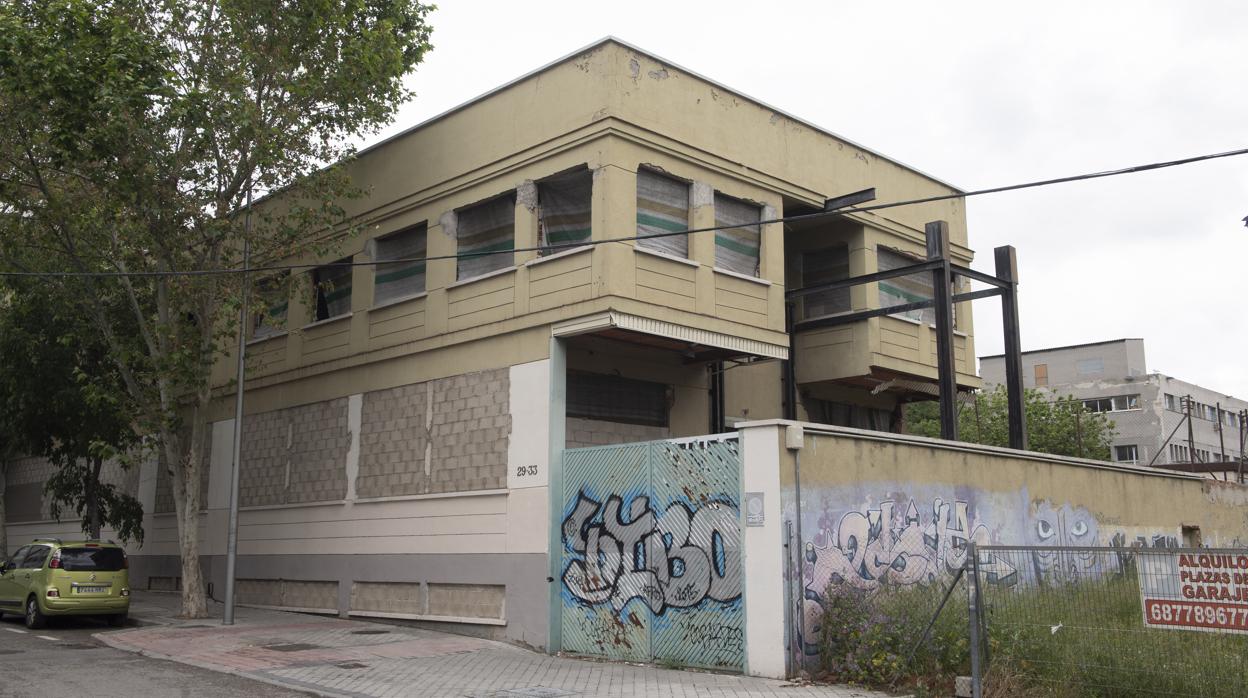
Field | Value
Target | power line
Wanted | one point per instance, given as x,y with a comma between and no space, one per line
573,245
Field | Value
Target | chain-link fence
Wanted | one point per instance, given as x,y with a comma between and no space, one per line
1072,621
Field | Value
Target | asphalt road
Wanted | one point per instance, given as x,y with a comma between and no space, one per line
64,660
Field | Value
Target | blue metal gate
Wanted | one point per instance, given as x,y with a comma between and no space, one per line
651,552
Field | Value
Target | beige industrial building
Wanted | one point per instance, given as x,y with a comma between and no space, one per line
401,421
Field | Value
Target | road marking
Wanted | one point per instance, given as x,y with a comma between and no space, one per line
15,630
46,637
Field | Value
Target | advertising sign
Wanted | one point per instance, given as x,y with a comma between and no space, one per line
1206,591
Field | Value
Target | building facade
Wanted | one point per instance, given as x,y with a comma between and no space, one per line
402,416
1147,408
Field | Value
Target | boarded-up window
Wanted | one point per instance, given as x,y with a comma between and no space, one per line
616,399
736,248
1042,375
487,235
824,266
911,288
332,284
565,202
270,318
662,209
403,271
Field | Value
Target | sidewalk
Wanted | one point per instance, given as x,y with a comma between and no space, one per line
334,657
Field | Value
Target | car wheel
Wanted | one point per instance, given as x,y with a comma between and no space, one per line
34,617
117,620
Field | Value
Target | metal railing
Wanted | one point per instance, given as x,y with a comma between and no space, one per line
1109,621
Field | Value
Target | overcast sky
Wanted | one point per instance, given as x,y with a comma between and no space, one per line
979,94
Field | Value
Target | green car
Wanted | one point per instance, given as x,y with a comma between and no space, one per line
50,577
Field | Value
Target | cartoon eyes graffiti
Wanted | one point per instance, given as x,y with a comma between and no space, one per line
1080,529
1045,529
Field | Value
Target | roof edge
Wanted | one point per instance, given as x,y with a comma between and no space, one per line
1068,346
610,38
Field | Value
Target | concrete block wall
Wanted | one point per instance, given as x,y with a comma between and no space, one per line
466,600
387,597
295,455
23,493
288,593
595,432
445,435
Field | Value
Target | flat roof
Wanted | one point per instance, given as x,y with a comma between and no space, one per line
1068,346
613,39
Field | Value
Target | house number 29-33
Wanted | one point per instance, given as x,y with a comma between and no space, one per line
526,470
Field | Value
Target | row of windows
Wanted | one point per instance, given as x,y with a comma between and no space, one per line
1202,411
1118,403
1182,454
485,232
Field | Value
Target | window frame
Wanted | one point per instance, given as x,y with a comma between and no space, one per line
1135,453
658,223
385,266
545,188
320,294
465,269
728,239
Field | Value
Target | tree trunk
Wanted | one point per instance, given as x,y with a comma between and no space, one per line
184,472
92,492
4,529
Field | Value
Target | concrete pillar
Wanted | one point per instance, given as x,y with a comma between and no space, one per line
762,552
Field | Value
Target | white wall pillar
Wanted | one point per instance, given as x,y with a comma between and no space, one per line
763,552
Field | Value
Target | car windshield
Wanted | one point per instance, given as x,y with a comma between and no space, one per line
92,559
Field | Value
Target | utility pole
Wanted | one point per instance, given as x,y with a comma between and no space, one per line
1191,438
1221,441
231,537
1243,436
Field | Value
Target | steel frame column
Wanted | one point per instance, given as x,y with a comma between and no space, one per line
1007,271
942,297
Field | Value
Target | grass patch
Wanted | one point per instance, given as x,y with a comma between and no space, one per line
1079,640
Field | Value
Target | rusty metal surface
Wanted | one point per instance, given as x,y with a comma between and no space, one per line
651,566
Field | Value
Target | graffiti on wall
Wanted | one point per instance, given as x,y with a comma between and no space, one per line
891,544
676,558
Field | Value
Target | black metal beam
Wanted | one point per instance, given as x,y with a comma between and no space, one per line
790,365
859,280
1007,272
942,295
846,318
978,276
858,197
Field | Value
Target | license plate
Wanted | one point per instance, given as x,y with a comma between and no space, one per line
91,590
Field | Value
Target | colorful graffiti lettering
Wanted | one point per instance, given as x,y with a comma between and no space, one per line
676,559
879,546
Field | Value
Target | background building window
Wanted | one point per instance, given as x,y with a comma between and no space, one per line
662,207
566,201
271,317
487,231
823,266
1172,403
1090,367
332,285
911,288
1042,375
398,279
1127,454
616,399
1118,403
736,249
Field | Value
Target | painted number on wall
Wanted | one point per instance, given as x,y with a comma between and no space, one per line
526,470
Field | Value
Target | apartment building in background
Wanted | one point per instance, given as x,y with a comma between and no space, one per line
1145,407
402,418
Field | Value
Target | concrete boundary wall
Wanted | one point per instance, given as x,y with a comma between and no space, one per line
863,493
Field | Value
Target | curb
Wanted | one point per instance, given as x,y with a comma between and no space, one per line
115,644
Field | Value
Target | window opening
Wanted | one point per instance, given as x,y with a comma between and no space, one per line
488,227
333,289
820,267
662,207
398,279
911,288
275,303
737,249
565,216
616,399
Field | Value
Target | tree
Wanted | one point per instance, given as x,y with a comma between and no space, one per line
133,135
1063,427
62,400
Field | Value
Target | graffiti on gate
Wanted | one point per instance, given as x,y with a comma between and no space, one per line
910,545
676,558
